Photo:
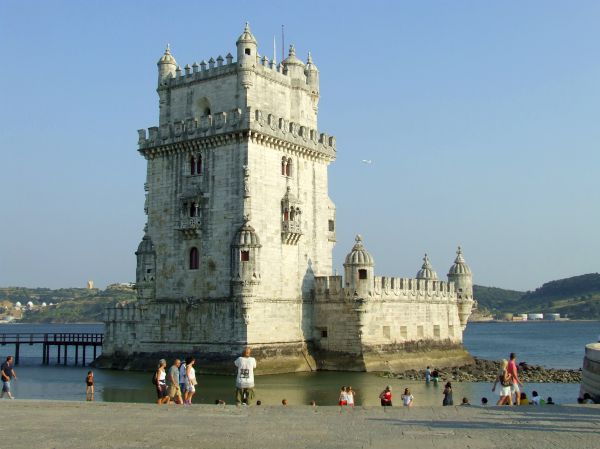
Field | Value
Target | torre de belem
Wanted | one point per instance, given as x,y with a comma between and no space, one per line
240,230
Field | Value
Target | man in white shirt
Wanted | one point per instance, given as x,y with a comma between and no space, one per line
244,382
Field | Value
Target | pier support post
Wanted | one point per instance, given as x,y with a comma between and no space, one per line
65,357
58,354
17,348
83,358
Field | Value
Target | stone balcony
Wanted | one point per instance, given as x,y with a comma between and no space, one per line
291,231
190,226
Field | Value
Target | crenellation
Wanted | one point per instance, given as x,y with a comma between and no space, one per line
238,245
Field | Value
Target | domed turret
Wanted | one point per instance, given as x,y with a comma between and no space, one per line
146,268
312,75
245,252
293,65
426,271
166,66
460,274
359,269
246,57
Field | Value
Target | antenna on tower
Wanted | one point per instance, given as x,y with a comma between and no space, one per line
282,44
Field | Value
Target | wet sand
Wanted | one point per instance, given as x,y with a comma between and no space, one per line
56,424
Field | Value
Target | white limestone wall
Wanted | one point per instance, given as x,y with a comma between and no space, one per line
272,91
288,270
221,214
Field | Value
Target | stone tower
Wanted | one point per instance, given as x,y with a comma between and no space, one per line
239,218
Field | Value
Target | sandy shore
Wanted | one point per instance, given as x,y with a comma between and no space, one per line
55,424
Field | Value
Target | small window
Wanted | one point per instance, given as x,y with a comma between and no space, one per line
386,332
288,168
436,330
245,256
199,165
323,333
247,51
331,225
206,111
283,166
192,166
420,333
194,258
362,274
193,210
286,215
404,332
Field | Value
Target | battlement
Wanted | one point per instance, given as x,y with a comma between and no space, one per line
220,66
270,130
332,286
131,311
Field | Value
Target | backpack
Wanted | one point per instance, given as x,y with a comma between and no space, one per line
154,379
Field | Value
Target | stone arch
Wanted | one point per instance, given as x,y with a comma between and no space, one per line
202,107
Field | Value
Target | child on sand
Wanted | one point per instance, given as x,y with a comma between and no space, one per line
89,386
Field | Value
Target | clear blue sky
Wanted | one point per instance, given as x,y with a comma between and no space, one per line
481,119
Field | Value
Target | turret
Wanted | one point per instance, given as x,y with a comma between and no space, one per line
247,48
359,270
426,271
312,75
145,276
166,66
294,66
245,266
460,274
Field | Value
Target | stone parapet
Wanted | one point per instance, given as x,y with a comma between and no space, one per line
219,128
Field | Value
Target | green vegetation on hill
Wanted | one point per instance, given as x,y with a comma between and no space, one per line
577,297
70,305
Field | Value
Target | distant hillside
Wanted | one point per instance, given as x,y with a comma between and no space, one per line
577,297
69,305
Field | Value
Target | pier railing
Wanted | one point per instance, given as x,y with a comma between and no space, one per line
60,340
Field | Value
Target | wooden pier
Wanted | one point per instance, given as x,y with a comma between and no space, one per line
62,342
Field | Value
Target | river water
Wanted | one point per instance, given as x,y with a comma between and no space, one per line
552,344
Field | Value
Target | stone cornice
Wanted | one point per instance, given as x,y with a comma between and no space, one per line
235,126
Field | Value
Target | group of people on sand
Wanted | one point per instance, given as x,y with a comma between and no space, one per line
178,384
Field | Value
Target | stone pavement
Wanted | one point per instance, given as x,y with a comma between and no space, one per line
64,425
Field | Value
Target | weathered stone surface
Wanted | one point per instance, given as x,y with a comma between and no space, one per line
240,232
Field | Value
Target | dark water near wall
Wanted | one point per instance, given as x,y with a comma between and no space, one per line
558,344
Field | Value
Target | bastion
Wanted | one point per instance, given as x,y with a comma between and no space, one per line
237,249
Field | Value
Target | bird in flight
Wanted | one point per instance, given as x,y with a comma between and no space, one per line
367,161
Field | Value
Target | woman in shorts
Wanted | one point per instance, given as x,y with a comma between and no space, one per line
161,385
190,381
505,380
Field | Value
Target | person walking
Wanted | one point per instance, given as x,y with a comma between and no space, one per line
427,375
407,398
244,382
515,391
7,372
182,377
386,397
161,386
191,382
173,383
448,395
89,386
343,399
503,378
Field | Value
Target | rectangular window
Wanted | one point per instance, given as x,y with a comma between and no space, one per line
404,332
323,333
245,256
436,330
420,332
331,225
362,274
386,332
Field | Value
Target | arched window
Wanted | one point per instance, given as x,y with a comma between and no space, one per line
206,111
199,165
194,258
193,210
247,51
288,167
286,215
192,166
283,166
292,214
244,256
